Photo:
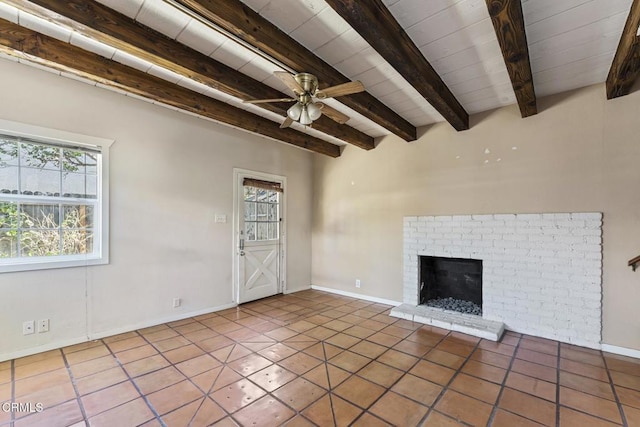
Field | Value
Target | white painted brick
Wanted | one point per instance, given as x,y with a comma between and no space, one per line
482,217
542,272
528,217
593,224
556,216
587,232
571,240
515,237
503,217
587,215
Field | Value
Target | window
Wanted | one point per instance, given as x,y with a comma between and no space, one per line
261,213
51,202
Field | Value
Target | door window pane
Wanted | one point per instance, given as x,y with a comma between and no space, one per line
261,214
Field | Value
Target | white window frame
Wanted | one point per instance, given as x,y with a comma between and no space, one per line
101,228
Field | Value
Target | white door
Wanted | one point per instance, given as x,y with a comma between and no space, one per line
259,235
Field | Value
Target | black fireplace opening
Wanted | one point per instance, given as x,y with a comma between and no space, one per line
451,283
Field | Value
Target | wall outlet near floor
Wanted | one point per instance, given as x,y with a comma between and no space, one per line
43,326
28,327
177,302
357,283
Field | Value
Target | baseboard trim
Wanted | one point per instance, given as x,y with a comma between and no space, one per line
42,348
354,295
623,351
142,325
98,335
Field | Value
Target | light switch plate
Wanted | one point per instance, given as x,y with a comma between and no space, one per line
221,218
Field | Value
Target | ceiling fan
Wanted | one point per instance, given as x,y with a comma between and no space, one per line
307,107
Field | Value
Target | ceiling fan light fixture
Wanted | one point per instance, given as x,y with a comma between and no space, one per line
295,111
314,110
304,117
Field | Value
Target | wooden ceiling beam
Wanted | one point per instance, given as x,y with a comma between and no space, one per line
28,44
508,23
240,20
103,24
375,23
625,67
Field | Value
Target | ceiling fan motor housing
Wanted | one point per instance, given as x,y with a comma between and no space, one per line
308,82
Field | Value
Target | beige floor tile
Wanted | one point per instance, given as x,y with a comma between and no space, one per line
299,393
464,408
398,410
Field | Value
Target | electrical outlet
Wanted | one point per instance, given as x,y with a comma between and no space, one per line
176,302
43,326
357,283
221,218
28,327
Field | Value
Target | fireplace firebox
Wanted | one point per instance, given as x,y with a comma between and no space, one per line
451,283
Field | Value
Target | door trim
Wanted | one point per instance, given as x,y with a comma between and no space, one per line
239,173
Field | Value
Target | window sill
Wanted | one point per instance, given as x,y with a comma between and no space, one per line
44,263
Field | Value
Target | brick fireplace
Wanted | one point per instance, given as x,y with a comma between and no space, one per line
541,273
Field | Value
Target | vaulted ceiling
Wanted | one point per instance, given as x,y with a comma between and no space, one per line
421,62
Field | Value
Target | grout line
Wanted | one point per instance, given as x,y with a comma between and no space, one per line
75,386
558,385
445,387
503,384
144,396
615,393
13,390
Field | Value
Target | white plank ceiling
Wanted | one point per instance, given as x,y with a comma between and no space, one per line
571,44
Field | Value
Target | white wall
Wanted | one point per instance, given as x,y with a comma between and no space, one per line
170,173
581,153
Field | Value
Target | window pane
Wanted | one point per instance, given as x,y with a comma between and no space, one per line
39,216
77,242
8,179
273,230
8,243
39,181
39,156
8,215
250,231
91,163
73,161
92,187
273,212
262,211
273,196
249,194
76,185
263,231
8,153
40,242
77,216
249,211
261,194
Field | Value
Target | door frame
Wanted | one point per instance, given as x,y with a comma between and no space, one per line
238,175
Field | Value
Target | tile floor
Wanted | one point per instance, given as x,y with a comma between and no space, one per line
313,358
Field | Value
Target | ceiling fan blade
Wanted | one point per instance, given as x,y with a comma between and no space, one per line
290,81
287,122
334,114
262,101
340,90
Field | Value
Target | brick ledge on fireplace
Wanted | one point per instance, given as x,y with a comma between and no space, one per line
465,323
